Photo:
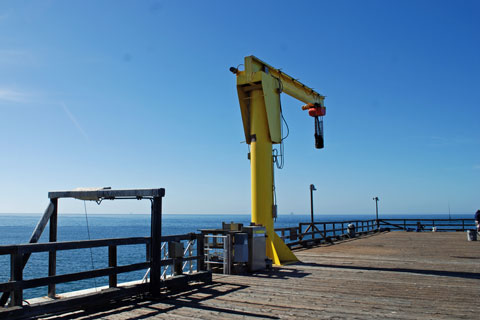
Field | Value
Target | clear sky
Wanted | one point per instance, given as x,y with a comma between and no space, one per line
137,94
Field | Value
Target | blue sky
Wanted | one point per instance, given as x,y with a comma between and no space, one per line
137,94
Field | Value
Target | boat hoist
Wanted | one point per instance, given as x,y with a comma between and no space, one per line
259,87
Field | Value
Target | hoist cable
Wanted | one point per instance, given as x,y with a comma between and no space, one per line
88,233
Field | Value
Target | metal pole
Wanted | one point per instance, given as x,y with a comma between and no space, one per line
312,187
376,211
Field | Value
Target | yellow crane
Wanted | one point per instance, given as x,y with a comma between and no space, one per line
259,87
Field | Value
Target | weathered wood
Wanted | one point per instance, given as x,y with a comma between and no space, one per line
201,252
38,282
16,270
156,246
52,255
394,275
42,223
109,194
112,262
69,303
37,233
69,245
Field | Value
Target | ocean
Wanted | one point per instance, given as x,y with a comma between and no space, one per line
16,229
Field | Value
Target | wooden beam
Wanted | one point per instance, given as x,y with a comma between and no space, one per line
108,194
69,245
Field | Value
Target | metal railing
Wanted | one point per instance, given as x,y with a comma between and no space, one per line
328,231
447,225
218,249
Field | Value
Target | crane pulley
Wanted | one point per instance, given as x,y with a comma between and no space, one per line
317,111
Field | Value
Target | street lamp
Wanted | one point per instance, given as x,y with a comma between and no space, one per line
312,188
312,225
376,209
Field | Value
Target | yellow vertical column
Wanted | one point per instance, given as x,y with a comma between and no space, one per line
261,164
261,168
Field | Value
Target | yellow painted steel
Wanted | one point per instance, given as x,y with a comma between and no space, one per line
259,87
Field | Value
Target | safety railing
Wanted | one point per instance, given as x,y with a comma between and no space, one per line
445,225
308,233
218,252
193,255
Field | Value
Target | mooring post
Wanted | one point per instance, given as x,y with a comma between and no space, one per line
156,246
52,255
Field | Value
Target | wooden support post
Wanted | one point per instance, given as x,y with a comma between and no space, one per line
148,252
16,270
112,262
156,246
324,231
52,255
33,239
201,252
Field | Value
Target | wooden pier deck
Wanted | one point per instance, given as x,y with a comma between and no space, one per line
393,275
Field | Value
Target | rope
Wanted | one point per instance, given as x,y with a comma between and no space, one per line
88,232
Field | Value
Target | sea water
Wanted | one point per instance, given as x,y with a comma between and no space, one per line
17,229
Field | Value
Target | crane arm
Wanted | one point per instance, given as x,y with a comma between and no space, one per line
259,75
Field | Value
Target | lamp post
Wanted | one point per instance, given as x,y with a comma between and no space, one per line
376,209
312,188
312,225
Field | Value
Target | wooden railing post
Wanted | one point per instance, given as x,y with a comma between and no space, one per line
201,252
52,255
112,262
156,245
324,231
16,270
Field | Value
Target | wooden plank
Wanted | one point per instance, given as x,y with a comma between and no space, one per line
42,223
73,302
108,193
38,282
69,245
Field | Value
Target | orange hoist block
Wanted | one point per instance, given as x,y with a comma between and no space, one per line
315,110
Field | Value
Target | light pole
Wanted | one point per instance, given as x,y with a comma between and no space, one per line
312,188
312,225
376,209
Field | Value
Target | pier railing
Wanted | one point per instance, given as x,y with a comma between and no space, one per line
308,233
428,224
175,259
